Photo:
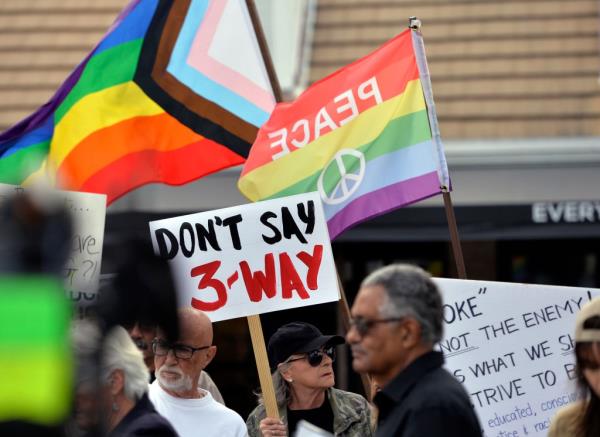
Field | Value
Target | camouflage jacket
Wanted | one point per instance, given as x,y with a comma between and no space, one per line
351,415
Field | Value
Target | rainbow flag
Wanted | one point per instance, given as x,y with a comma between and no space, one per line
174,91
361,137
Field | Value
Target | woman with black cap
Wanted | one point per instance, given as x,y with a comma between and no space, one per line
301,360
582,418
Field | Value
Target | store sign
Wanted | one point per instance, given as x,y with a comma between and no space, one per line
568,211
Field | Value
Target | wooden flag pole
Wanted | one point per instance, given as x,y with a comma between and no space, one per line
264,50
344,310
454,238
415,25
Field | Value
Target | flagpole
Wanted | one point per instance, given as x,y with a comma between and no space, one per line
419,49
264,50
343,306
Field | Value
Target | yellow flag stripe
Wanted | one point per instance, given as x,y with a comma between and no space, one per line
96,111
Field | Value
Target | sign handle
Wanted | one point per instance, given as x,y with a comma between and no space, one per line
262,365
344,311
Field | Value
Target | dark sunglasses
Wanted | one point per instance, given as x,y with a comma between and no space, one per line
315,357
363,326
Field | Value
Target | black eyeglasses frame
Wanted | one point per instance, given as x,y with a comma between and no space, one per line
180,351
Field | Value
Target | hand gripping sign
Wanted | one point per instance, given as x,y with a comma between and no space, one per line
250,259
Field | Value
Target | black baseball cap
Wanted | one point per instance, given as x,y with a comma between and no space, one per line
297,338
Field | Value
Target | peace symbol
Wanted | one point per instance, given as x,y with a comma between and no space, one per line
349,164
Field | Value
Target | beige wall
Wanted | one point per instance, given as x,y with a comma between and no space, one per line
500,68
41,42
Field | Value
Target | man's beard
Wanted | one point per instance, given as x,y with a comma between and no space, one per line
183,383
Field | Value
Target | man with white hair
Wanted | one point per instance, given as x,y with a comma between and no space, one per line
176,394
122,395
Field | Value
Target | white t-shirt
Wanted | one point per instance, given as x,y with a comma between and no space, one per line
197,417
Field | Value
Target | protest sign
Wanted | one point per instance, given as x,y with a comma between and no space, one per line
82,269
250,259
512,347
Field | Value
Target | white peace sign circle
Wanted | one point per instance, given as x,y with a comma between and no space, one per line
349,181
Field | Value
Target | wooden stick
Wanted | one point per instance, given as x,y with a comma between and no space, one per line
454,238
264,50
344,310
262,365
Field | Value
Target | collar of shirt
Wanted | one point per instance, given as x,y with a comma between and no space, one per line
399,387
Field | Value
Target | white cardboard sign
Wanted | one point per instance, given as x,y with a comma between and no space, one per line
250,259
511,345
82,269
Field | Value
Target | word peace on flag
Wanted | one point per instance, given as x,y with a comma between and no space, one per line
250,259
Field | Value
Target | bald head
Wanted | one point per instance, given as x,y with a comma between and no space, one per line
195,325
179,375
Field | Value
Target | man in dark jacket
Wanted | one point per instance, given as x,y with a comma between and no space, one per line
396,319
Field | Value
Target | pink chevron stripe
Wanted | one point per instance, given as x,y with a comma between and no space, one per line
200,59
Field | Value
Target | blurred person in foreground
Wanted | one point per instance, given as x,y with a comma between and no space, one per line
142,335
396,320
582,418
176,394
120,405
302,367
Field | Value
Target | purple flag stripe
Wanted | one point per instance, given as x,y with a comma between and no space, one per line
383,200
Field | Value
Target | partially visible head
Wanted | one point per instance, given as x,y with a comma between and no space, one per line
123,374
123,367
142,335
587,346
300,355
179,365
397,317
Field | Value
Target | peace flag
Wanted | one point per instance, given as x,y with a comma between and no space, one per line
175,90
361,137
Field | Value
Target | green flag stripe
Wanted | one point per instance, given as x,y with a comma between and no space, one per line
17,166
399,133
111,67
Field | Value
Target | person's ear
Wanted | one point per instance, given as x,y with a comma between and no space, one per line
210,354
286,372
116,382
410,332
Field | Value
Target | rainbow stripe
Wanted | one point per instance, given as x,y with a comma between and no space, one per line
361,137
149,104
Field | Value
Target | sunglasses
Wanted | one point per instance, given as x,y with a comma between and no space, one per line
315,357
363,326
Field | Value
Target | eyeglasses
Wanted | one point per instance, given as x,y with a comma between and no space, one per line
363,326
181,351
315,357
